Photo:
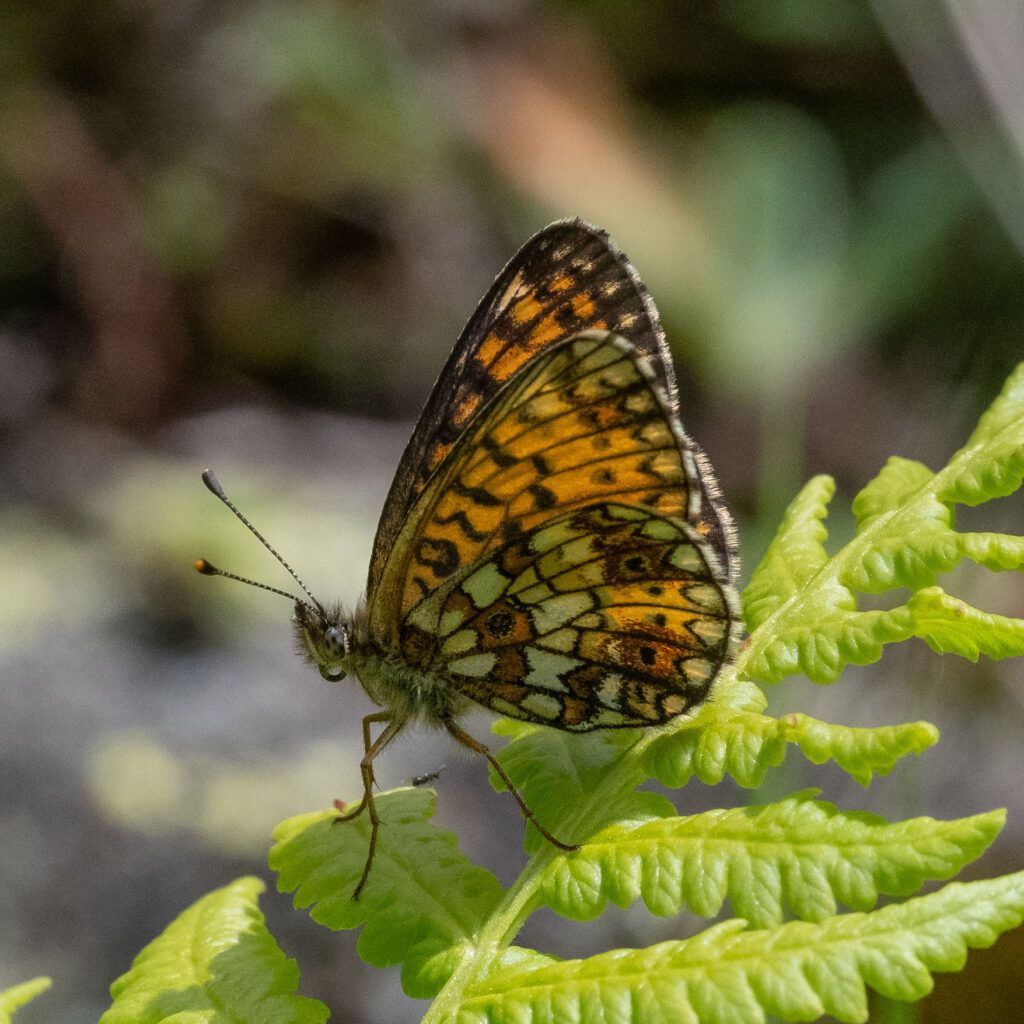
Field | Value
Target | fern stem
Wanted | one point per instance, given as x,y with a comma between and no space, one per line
520,898
492,940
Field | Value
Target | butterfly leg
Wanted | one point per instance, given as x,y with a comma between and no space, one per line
377,716
467,741
391,730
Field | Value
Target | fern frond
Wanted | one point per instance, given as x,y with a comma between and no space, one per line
719,741
728,975
216,963
12,999
998,433
795,555
802,606
799,854
451,926
423,903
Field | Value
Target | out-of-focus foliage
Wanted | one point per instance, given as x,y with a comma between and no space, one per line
247,234
216,963
13,998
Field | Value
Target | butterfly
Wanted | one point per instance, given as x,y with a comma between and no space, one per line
554,546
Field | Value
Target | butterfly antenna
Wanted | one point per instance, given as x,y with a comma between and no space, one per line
207,569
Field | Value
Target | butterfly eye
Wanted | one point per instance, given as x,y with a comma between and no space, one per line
332,675
335,641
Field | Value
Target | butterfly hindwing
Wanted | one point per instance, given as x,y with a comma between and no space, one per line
585,422
566,279
609,616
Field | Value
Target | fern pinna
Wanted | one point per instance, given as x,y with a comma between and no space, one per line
802,877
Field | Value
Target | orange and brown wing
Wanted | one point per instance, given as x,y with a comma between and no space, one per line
609,616
586,422
568,278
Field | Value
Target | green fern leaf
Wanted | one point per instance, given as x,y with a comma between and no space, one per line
949,625
728,975
914,536
991,464
14,998
823,650
424,900
215,964
799,853
802,606
717,741
558,773
795,555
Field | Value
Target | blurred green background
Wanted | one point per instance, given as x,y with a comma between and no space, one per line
245,236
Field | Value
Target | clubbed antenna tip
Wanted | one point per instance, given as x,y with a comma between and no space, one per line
208,569
213,484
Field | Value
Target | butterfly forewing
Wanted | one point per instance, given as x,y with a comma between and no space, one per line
566,279
583,423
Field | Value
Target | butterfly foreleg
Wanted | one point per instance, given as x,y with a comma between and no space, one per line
467,741
371,750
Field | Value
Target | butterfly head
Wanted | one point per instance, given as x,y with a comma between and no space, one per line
324,635
324,638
